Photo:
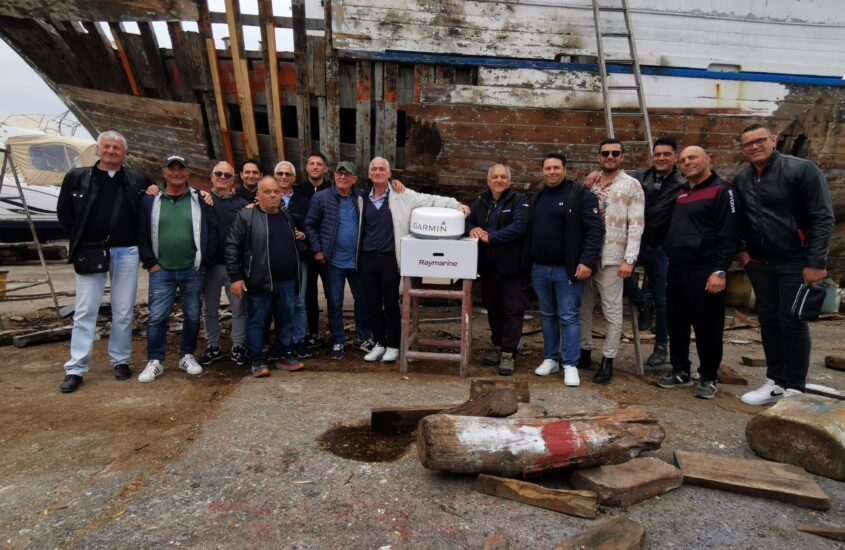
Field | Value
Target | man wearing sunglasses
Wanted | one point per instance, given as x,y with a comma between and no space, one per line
621,207
226,203
787,223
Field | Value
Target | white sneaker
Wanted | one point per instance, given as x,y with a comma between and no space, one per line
153,370
375,354
188,364
791,392
547,367
767,393
570,376
390,355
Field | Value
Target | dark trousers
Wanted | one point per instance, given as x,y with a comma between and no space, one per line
506,302
690,305
656,264
312,307
786,341
379,276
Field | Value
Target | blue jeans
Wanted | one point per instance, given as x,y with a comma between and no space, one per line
123,272
300,318
333,281
656,265
261,306
559,300
163,286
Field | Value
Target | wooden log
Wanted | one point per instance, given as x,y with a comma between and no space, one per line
497,403
41,336
805,430
834,362
514,447
583,504
393,419
834,533
7,336
479,386
530,410
617,533
630,482
759,478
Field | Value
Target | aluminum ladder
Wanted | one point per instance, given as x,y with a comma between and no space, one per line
632,61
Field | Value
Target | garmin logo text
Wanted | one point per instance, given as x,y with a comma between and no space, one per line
442,228
438,263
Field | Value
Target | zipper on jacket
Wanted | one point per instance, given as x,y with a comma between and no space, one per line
267,247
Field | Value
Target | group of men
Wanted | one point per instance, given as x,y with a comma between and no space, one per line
685,226
267,241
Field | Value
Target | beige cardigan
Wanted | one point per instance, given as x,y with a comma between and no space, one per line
624,219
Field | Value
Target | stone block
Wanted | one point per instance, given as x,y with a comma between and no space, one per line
630,482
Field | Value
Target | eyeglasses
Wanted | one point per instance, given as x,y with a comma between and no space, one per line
756,143
285,174
606,154
660,154
222,175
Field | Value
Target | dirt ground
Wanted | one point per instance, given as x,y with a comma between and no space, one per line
224,460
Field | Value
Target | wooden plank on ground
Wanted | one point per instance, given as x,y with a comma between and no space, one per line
759,478
479,386
753,361
617,533
583,504
834,533
41,336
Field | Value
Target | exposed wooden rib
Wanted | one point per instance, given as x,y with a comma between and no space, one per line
155,63
183,75
303,101
242,77
363,110
102,10
218,126
386,113
271,79
330,139
118,35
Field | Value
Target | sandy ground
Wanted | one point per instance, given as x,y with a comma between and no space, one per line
224,460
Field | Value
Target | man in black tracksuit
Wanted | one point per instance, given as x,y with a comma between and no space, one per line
499,220
701,244
787,223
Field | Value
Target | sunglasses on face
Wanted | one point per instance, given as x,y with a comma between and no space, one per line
222,175
284,174
609,153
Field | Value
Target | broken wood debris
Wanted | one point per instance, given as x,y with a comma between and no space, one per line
753,361
617,533
834,533
630,482
514,447
479,386
759,478
834,362
824,391
40,336
583,504
805,430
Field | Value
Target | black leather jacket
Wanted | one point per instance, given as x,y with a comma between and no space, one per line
78,193
787,214
247,250
658,202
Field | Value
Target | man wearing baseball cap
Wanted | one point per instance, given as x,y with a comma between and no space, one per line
178,237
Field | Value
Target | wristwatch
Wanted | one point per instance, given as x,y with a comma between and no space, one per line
629,261
720,274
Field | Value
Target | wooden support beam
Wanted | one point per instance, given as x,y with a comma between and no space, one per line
330,137
214,101
386,114
250,20
363,112
183,75
118,36
303,98
156,64
583,504
244,93
271,77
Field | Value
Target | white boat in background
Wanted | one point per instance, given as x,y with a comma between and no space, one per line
41,154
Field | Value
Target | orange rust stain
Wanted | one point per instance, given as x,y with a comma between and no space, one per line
718,90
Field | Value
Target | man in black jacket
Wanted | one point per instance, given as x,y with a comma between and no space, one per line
565,239
262,261
701,244
499,220
787,223
99,204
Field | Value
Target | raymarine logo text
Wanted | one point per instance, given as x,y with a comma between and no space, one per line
438,263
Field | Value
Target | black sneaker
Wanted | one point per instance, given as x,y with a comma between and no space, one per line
312,342
493,358
706,389
301,350
71,383
337,351
239,355
674,379
658,357
366,346
645,319
122,371
210,355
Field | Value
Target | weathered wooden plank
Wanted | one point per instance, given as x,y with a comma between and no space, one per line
42,47
392,419
119,43
281,22
271,64
183,75
154,60
211,96
617,533
386,116
583,504
833,533
78,43
148,82
759,478
102,10
330,138
316,56
41,336
239,64
480,386
300,53
363,112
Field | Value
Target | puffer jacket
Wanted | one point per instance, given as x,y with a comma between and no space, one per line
247,250
505,256
787,214
323,219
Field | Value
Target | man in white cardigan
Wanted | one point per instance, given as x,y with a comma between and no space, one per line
621,206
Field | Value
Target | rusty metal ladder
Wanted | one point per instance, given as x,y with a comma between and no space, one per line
607,89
